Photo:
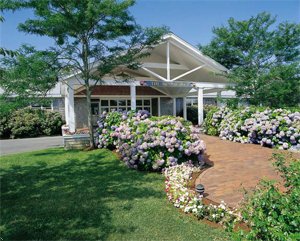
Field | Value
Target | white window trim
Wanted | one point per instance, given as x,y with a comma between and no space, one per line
127,107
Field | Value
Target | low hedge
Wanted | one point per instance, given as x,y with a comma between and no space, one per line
269,127
151,143
29,122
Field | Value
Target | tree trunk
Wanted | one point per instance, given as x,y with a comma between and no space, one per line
86,76
90,117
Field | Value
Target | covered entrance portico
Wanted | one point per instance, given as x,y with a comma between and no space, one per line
173,71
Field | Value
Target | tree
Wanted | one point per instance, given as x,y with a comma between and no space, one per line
88,34
263,59
26,76
30,74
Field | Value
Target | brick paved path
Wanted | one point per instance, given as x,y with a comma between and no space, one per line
235,166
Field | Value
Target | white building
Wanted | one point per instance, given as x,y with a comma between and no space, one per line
174,75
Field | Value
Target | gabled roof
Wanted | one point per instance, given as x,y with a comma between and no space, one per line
184,58
195,52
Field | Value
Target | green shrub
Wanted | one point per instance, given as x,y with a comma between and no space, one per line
25,123
278,128
207,109
29,122
151,143
192,114
108,122
212,122
52,123
4,128
271,213
6,109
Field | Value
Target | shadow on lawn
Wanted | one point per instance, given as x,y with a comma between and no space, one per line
71,200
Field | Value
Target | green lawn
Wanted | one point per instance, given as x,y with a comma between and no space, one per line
74,195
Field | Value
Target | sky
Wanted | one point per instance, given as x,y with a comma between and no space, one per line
191,20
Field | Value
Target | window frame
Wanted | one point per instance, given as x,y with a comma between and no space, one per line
126,107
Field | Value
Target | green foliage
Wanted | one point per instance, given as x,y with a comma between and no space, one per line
25,123
52,123
192,114
30,74
103,33
6,109
263,59
271,213
278,128
211,123
151,143
4,128
232,103
30,123
110,121
207,109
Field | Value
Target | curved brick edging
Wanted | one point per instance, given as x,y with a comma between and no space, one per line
193,184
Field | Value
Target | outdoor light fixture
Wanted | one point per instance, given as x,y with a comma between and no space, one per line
200,189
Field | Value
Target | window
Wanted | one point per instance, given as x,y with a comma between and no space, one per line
191,101
44,106
95,108
124,104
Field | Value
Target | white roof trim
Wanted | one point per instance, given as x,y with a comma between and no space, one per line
189,49
196,51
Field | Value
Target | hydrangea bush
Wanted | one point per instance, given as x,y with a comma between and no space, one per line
109,122
151,143
178,192
272,128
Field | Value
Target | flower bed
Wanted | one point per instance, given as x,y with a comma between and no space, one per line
178,192
151,143
272,128
109,122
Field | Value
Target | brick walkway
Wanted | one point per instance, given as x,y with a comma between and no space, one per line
235,166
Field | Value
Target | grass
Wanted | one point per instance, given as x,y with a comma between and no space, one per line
74,195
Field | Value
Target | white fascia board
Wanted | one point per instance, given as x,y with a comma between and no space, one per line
164,66
111,81
210,85
197,53
177,41
213,90
108,82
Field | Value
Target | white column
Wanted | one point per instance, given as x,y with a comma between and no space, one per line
158,107
174,106
184,108
219,94
133,97
72,126
200,106
168,61
66,105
